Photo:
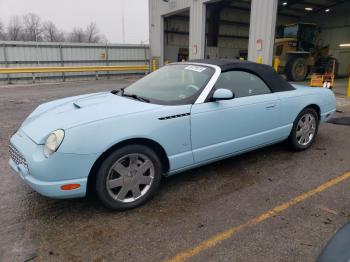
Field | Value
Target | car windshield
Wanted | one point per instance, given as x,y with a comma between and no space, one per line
176,83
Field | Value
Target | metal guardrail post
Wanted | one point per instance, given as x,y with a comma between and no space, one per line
6,63
107,59
145,51
62,62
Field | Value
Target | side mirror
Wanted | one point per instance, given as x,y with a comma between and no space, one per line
223,94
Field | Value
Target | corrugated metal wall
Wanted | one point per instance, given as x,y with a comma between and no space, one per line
31,54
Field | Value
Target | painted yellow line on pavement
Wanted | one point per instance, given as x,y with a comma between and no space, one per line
213,241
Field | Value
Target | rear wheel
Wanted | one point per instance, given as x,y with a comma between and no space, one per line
297,69
128,177
304,130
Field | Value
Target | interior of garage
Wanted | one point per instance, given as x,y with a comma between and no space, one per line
227,29
321,32
176,36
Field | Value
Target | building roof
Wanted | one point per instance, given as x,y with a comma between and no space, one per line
265,72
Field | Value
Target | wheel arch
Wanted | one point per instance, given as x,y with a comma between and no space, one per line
316,108
158,149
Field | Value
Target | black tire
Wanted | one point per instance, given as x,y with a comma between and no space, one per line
104,194
297,69
293,138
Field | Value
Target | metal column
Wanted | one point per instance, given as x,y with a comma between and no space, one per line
197,29
262,30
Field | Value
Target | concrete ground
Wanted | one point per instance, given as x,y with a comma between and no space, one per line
189,208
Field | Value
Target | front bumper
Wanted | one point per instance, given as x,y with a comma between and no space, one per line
47,175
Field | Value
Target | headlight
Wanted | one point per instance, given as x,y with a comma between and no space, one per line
53,142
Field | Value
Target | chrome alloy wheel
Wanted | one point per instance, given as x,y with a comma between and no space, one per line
130,177
306,129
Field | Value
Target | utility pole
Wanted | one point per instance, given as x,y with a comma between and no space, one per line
123,22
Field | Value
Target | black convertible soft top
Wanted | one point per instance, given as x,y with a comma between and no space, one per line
265,72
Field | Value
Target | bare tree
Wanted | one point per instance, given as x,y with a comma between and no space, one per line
14,29
2,31
77,35
92,33
50,33
32,27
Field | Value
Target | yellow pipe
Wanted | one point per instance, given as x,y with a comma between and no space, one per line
63,69
349,87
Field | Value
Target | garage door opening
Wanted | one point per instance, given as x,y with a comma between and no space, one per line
312,37
176,37
227,29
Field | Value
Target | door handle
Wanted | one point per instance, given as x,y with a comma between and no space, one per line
270,106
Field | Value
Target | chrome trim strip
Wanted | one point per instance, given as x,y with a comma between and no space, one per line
203,96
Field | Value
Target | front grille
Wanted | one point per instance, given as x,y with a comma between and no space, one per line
17,157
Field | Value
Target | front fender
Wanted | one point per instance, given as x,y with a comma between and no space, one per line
97,137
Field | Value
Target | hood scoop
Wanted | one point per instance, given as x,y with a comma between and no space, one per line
92,101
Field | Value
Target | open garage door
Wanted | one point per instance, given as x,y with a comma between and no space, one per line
176,37
227,29
313,37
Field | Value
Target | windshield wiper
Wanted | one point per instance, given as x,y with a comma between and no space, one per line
121,93
142,99
117,91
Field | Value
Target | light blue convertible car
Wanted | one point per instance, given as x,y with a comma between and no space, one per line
184,115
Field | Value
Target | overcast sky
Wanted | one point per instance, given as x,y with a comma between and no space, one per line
107,14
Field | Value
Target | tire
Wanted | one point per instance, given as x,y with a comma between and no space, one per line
304,130
297,69
128,177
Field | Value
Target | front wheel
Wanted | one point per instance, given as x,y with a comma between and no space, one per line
297,69
304,130
128,177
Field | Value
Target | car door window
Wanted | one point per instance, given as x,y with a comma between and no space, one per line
242,83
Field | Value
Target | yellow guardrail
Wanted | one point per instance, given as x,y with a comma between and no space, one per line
67,69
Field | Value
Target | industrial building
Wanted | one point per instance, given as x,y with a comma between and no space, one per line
257,30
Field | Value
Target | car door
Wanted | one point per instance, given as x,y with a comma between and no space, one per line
250,120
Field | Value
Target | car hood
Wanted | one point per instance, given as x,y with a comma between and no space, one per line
73,111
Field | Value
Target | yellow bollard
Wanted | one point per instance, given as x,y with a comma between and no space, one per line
276,64
349,87
154,65
260,60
